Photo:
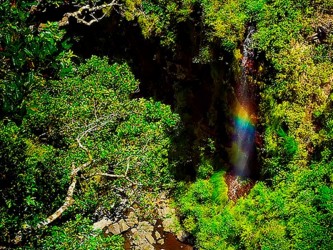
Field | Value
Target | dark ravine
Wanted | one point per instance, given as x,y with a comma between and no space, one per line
201,92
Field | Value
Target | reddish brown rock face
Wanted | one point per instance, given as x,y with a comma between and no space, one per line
237,187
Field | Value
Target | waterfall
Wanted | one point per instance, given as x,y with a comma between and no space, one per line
244,113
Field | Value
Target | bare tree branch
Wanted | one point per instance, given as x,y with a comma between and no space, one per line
69,198
68,201
81,14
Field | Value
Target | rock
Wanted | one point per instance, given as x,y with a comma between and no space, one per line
157,235
101,224
166,211
145,226
142,237
181,235
132,219
160,241
167,224
123,226
146,246
150,238
163,196
114,229
143,240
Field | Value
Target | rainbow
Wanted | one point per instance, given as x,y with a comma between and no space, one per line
243,139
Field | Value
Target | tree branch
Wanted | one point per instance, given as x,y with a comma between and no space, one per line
116,175
79,15
69,198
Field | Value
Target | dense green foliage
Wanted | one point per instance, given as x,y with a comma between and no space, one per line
90,102
67,115
60,112
27,53
296,214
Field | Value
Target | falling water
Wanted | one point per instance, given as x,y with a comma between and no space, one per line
244,113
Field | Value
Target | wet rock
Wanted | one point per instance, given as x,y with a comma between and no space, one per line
163,196
164,211
146,246
142,240
142,236
145,235
102,224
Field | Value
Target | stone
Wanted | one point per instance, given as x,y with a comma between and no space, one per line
148,247
132,219
123,226
114,229
101,224
141,241
160,241
165,211
150,238
167,224
163,196
181,235
145,226
157,235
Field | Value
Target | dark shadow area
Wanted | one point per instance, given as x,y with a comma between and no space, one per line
201,93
